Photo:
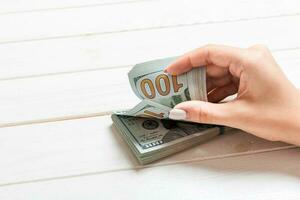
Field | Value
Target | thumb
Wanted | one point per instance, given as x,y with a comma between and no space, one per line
204,112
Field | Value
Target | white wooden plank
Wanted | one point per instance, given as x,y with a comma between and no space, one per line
91,146
128,48
85,94
18,6
135,16
273,175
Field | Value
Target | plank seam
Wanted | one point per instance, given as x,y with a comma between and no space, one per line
66,72
85,115
55,119
139,167
96,69
149,28
73,7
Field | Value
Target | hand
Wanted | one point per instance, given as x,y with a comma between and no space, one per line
267,104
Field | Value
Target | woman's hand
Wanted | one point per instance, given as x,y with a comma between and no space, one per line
267,104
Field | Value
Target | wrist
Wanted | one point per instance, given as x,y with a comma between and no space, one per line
291,132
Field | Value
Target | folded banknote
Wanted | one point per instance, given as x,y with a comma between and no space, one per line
146,127
160,92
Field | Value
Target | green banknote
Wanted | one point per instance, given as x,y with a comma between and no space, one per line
160,92
146,127
151,139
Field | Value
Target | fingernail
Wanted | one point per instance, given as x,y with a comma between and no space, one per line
177,114
166,71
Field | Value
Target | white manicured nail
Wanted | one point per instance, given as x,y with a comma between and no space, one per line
177,114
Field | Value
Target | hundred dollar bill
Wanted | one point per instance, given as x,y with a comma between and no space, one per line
151,139
160,92
146,127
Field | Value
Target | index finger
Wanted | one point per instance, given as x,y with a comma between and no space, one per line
219,55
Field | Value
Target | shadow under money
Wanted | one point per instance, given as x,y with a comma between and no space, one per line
213,154
242,153
124,148
284,162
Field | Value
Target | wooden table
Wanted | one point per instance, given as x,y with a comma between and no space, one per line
63,70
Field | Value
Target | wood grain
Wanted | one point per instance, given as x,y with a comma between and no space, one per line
77,95
17,6
273,175
138,15
66,61
92,146
124,49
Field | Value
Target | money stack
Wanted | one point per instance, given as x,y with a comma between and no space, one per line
151,139
146,127
160,92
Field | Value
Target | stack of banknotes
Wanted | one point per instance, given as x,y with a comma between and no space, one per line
146,127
